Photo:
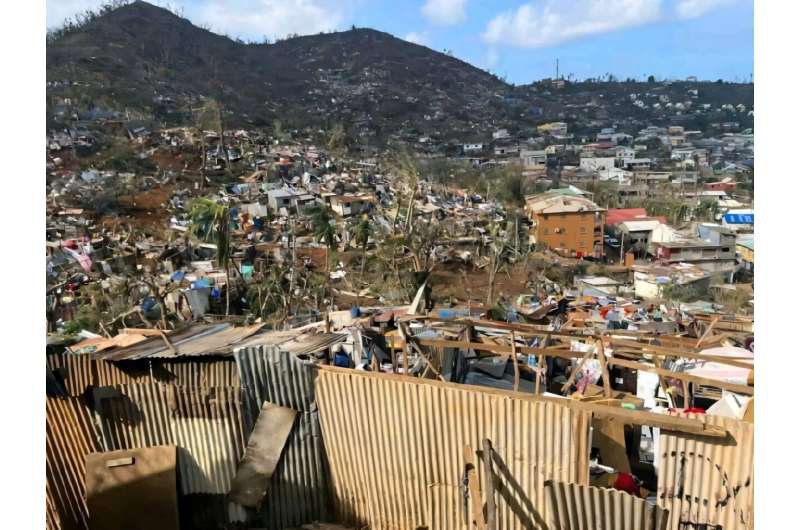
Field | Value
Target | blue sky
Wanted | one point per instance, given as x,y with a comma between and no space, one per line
516,39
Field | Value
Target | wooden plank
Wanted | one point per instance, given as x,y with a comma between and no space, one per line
601,354
671,352
739,389
515,361
488,476
577,369
474,488
262,455
539,368
708,331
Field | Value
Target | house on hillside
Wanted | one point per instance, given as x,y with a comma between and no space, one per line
567,223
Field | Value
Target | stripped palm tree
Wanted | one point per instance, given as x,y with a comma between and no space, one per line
361,234
323,227
212,222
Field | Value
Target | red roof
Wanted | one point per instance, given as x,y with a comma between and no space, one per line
615,216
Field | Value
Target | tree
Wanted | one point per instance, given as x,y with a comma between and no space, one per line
651,79
324,229
212,222
361,233
208,117
499,254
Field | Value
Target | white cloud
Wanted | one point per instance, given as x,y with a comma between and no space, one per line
445,12
490,58
273,18
416,38
551,22
57,11
698,8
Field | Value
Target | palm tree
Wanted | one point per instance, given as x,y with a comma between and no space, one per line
361,232
212,222
324,229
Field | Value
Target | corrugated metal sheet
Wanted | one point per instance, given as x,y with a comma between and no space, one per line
396,449
300,487
269,374
83,372
199,339
206,424
70,437
576,507
80,373
708,481
203,372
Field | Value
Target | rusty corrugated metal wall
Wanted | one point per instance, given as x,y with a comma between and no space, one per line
70,436
708,481
84,371
300,487
576,507
206,424
396,449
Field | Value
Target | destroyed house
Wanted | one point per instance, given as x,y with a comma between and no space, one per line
348,205
258,430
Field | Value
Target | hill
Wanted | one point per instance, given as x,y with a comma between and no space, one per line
149,62
132,55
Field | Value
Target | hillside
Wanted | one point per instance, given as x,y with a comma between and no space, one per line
130,56
138,56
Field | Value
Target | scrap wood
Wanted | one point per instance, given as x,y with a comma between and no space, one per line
415,343
574,374
708,331
671,352
601,355
733,387
262,455
488,477
474,488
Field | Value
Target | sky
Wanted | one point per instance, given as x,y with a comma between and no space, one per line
518,40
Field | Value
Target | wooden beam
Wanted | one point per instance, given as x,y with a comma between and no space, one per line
488,477
574,373
671,352
539,368
515,361
708,331
601,355
733,387
474,489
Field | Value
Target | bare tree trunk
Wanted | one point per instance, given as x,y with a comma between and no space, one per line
227,291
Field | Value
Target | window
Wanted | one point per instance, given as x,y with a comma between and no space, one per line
583,230
582,244
546,231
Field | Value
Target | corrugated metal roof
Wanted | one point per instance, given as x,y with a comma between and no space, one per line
199,339
300,487
295,342
708,481
396,449
206,424
70,437
576,507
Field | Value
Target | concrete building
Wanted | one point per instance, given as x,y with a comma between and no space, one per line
567,223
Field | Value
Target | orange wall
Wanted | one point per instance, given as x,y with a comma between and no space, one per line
576,230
